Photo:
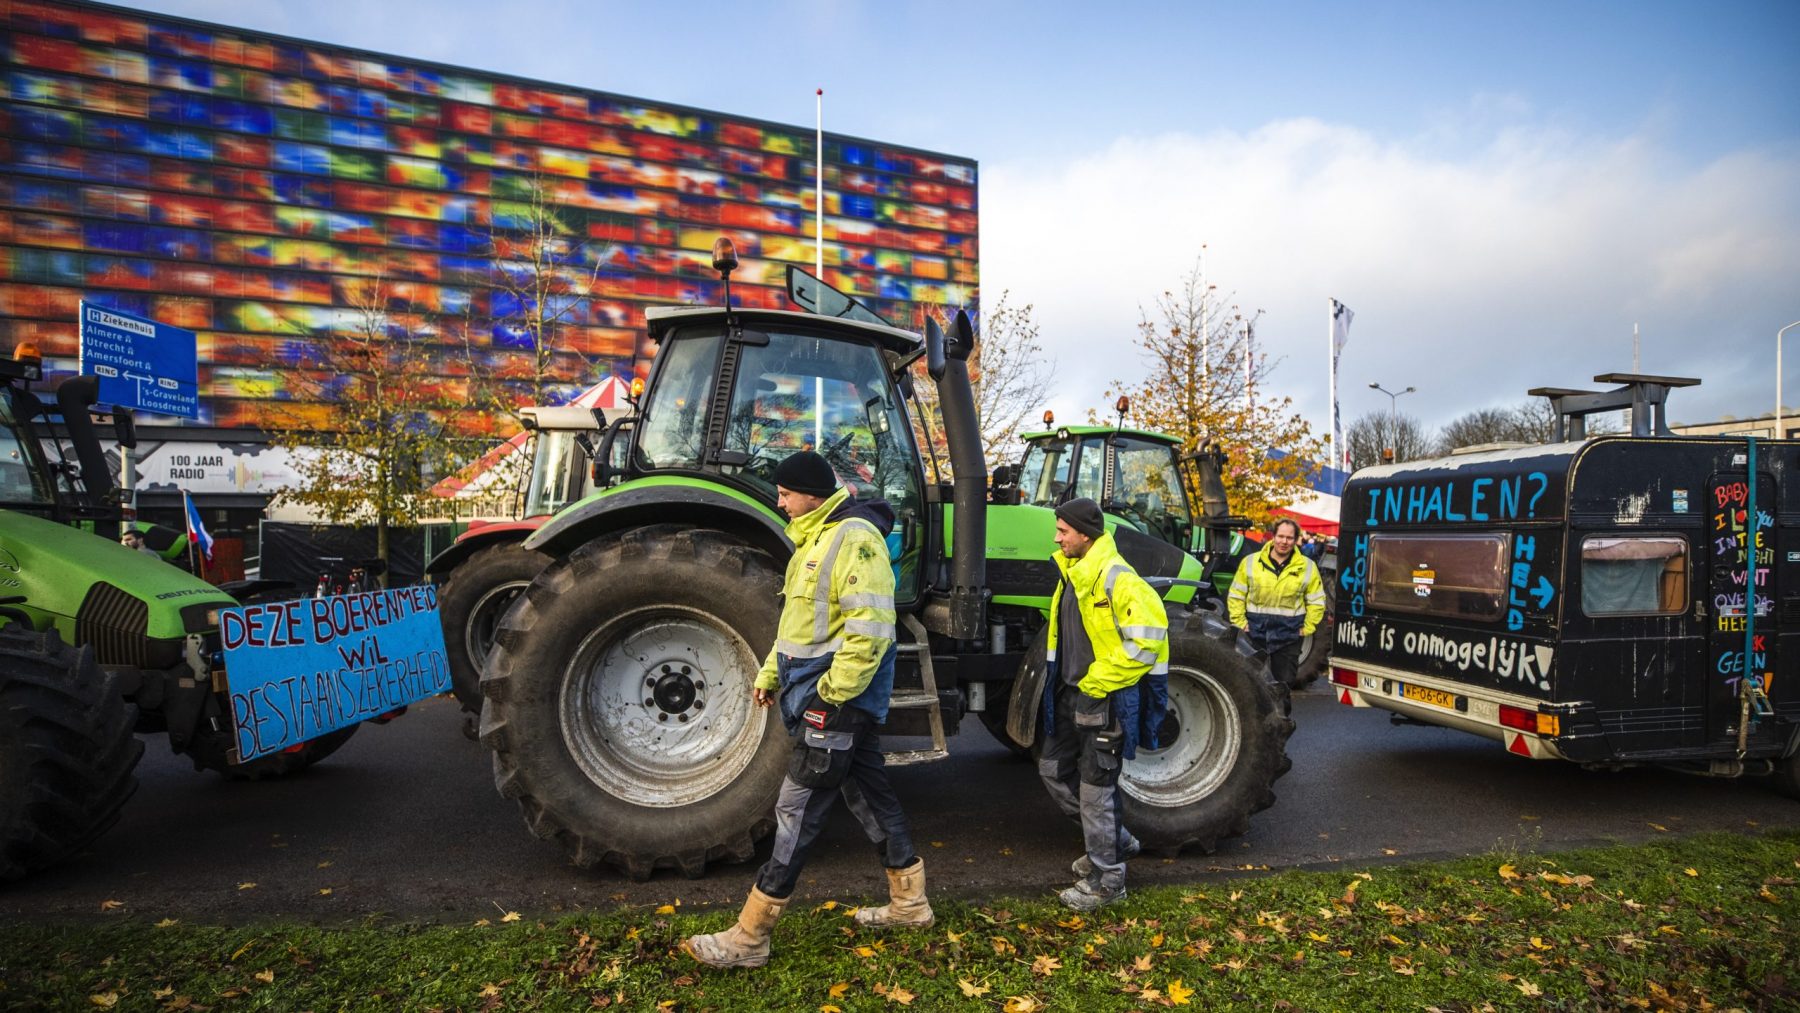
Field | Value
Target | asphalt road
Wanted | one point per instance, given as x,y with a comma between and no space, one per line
405,821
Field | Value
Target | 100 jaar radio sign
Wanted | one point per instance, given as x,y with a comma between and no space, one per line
296,670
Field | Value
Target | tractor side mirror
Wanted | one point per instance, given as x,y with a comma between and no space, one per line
603,471
935,363
1003,486
124,428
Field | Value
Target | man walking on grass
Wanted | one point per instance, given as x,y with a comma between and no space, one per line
832,672
1108,676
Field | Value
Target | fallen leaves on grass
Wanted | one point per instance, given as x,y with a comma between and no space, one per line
1179,993
510,916
894,993
970,990
837,991
1021,1004
104,1000
266,976
1045,965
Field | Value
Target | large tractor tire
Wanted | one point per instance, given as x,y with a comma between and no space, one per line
208,752
1315,650
618,706
1222,746
67,752
471,602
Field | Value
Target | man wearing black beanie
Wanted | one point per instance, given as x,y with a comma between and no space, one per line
832,674
1108,659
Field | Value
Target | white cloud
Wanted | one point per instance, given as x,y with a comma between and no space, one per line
1473,277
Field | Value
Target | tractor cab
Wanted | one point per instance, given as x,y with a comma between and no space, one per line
1135,475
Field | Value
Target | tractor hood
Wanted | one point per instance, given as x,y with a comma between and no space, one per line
134,608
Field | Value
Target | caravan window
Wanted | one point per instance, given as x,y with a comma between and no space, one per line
1452,576
1633,575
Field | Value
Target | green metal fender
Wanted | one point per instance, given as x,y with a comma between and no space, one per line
663,499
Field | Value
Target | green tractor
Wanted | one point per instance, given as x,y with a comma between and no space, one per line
1141,479
97,641
617,700
488,566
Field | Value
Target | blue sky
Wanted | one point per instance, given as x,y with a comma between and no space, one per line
1500,191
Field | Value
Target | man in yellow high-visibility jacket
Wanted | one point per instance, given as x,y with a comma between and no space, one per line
1107,686
832,673
1278,599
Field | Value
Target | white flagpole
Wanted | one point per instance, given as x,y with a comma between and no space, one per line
819,245
1331,367
819,185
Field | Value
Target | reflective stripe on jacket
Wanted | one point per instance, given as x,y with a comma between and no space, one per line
836,634
1127,629
1277,604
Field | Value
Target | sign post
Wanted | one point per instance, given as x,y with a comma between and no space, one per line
140,363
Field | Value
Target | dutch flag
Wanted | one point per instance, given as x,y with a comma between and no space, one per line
196,531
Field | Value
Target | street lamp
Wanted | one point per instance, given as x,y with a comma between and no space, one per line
1393,415
1778,335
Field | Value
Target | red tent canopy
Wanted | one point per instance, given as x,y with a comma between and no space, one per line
1317,512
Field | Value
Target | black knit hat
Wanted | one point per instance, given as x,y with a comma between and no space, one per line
806,472
1083,515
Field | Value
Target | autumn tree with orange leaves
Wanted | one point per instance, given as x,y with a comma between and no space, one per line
1206,382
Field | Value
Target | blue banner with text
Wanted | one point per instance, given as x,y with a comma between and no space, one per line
298,669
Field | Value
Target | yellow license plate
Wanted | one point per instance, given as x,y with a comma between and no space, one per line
1435,697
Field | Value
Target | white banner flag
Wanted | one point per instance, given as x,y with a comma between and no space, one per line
1340,328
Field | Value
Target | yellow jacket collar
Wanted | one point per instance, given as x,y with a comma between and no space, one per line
808,525
1091,565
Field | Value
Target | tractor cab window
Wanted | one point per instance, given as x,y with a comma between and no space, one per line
1147,489
834,396
673,426
21,465
555,480
1045,475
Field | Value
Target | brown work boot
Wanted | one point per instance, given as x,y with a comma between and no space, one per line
906,907
745,944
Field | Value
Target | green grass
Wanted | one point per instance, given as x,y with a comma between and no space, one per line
1679,924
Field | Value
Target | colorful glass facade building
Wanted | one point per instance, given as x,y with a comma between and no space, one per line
247,186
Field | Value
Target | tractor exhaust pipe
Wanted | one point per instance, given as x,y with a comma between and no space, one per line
947,361
74,397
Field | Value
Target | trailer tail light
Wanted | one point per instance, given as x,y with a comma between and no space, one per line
1343,676
1530,721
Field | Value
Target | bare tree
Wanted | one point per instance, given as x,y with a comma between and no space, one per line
544,273
1531,421
1369,436
1010,374
371,417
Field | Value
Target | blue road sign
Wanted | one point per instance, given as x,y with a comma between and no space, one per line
141,364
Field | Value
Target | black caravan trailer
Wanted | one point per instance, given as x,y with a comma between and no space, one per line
1619,600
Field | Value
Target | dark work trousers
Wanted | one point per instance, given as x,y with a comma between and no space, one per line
814,782
1284,663
1080,765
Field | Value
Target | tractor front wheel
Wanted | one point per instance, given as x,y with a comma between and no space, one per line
67,752
618,701
471,602
1221,747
